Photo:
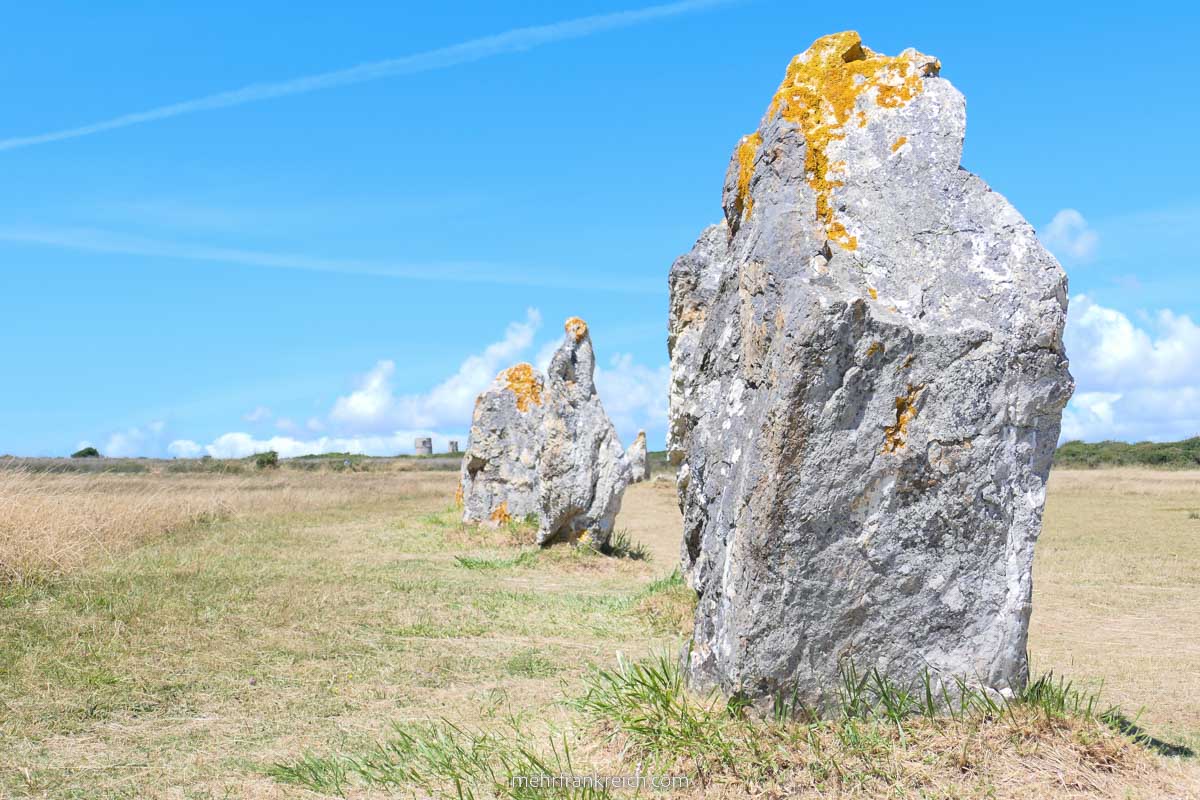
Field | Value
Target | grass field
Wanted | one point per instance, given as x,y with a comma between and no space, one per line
297,634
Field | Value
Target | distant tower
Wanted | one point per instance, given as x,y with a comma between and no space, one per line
454,445
423,446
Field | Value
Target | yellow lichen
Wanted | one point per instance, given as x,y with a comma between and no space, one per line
819,94
501,516
896,145
747,150
895,436
576,327
874,294
525,383
876,347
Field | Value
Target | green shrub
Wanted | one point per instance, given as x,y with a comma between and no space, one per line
267,460
1172,455
87,452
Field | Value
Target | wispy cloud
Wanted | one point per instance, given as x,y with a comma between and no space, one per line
513,41
91,240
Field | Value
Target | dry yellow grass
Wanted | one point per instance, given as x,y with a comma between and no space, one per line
53,523
321,608
1116,590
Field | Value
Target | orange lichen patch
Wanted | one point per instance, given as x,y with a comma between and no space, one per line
895,436
746,151
576,327
458,496
874,294
896,145
501,516
819,93
525,383
876,347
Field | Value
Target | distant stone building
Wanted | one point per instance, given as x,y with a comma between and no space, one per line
423,446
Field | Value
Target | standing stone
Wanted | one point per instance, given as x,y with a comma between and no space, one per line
639,469
582,468
453,445
499,478
867,383
423,446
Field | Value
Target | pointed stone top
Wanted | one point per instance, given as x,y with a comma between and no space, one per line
576,327
820,94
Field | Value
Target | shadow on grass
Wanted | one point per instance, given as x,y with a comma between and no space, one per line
1122,723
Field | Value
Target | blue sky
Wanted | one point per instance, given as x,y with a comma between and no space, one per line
345,263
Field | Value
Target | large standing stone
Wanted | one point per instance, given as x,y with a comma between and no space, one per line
499,478
867,382
582,468
639,468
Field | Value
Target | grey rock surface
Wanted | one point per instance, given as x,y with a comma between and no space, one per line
867,383
499,477
639,467
582,469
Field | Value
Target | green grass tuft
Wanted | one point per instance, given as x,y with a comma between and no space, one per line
526,558
621,545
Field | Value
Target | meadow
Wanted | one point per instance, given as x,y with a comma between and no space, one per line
329,632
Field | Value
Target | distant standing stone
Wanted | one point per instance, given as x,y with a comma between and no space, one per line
639,469
423,446
582,466
867,384
543,447
453,445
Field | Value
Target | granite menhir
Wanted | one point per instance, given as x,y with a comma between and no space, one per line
867,382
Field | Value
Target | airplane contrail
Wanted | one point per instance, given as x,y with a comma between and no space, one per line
90,240
514,41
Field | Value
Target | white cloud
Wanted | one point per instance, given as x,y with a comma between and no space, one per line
1109,352
138,441
376,420
185,448
374,407
240,445
1070,237
635,397
258,414
1133,383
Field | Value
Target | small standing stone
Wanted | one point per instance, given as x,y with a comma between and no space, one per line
639,468
582,467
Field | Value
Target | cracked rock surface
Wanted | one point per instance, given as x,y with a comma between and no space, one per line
583,469
542,448
867,381
499,480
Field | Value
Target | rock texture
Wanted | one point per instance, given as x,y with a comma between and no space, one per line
583,469
499,477
639,467
542,447
867,383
